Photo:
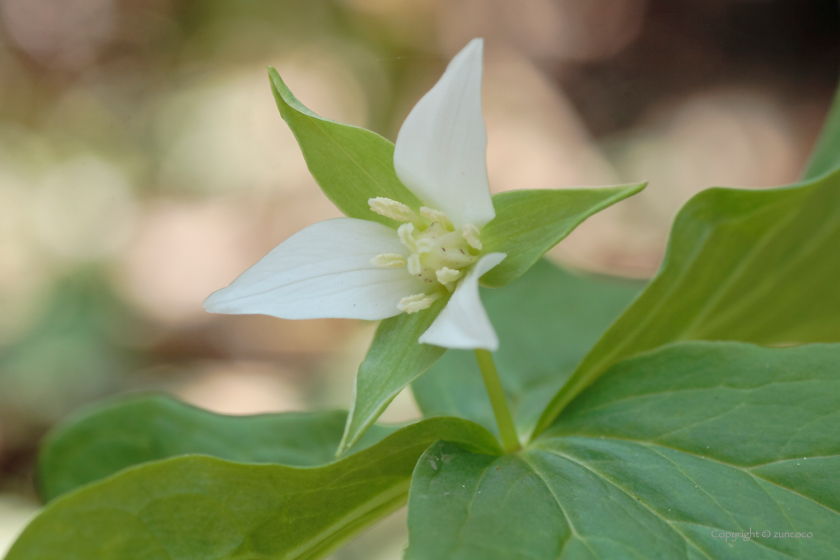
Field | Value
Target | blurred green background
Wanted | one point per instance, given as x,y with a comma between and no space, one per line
143,165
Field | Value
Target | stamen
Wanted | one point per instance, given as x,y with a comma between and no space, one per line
434,215
388,260
438,254
414,266
391,209
472,236
406,235
417,302
447,275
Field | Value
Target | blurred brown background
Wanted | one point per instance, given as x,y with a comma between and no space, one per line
143,165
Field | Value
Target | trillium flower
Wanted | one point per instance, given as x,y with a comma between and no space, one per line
362,269
421,230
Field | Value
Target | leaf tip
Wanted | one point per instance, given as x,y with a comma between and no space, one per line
278,88
284,97
636,188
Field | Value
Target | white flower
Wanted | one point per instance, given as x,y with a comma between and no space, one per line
352,268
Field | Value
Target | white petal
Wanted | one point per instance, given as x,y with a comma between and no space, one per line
441,150
463,323
322,271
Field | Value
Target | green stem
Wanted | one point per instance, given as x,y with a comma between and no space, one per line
510,441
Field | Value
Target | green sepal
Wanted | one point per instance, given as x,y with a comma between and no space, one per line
395,359
202,507
350,164
530,222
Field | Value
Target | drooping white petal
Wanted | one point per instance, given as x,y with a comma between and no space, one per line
441,150
463,323
322,271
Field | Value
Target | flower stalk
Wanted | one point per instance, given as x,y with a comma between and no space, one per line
507,430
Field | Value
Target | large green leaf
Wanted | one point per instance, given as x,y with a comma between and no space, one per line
203,507
753,266
530,222
394,360
350,164
546,322
140,429
657,459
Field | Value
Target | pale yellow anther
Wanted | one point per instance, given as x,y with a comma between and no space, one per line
472,236
388,260
391,209
417,302
406,234
434,215
414,266
447,275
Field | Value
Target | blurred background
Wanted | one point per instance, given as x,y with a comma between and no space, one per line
143,165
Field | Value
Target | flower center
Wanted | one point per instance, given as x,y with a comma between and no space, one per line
438,253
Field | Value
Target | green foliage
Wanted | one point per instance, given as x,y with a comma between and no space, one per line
546,321
529,223
350,164
649,447
653,461
754,266
202,507
130,431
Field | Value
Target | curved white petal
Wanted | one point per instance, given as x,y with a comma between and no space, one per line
322,271
441,150
463,323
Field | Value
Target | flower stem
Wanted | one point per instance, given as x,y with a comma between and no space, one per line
510,441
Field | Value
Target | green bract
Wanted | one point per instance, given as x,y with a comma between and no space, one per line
350,164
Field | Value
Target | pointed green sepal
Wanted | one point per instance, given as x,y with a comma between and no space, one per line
530,222
350,164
